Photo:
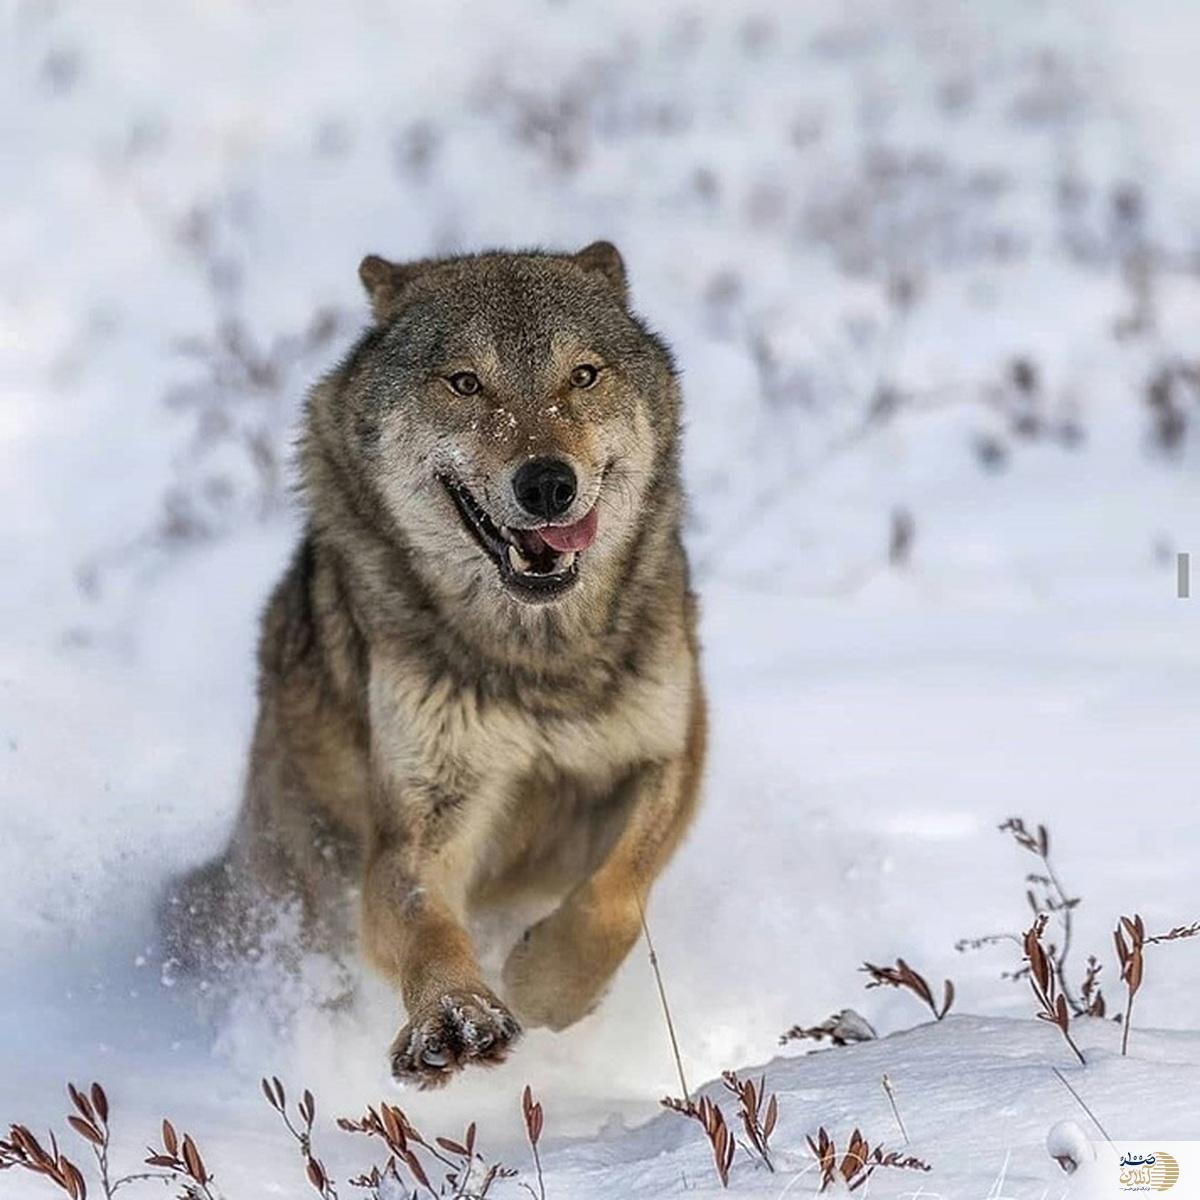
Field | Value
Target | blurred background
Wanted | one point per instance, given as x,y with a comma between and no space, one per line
932,273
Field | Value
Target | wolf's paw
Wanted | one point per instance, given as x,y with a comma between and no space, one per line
463,1027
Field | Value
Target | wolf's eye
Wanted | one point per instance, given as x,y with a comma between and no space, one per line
584,375
465,383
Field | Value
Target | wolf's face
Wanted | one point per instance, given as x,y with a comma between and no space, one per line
511,414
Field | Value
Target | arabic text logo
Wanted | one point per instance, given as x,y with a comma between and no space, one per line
1149,1172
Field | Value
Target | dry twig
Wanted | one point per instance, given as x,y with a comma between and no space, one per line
858,1163
710,1118
1045,984
759,1125
1133,964
903,976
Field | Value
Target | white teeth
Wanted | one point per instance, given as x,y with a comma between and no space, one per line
567,561
517,560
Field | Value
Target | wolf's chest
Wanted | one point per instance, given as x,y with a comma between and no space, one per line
448,733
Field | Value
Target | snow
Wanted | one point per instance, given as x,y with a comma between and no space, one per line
772,175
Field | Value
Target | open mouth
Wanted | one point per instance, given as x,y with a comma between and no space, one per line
538,563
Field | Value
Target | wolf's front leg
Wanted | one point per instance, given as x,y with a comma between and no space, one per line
558,972
414,934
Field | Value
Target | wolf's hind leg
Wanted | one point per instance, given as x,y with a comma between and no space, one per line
558,972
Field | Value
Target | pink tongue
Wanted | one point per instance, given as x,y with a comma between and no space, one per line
571,537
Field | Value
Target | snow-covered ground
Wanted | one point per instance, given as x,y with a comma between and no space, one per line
922,263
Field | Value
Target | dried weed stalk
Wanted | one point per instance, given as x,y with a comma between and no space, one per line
22,1149
531,1111
1044,981
306,1110
1131,957
1090,995
858,1163
1133,965
1175,935
710,1118
462,1178
1046,893
662,996
758,1124
181,1158
890,1092
903,976
450,1170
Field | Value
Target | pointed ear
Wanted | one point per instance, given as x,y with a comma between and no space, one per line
384,282
604,259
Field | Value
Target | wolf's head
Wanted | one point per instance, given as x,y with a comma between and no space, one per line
512,421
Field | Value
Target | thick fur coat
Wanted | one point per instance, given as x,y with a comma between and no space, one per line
479,678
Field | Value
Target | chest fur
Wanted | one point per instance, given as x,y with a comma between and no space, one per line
441,732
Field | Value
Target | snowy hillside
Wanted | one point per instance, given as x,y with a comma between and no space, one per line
932,272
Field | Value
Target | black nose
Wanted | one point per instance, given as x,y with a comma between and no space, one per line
545,487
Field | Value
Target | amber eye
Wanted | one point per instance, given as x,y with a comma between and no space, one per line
584,375
465,383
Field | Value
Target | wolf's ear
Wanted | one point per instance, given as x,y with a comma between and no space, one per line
604,259
384,282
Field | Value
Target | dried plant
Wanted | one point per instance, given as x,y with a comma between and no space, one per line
181,1158
462,1178
306,1109
1175,935
890,1092
531,1111
22,1149
1045,983
903,976
1090,994
858,1163
710,1118
90,1122
841,1029
1044,893
758,1123
662,996
1131,957
463,1171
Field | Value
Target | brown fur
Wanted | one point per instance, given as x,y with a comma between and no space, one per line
427,733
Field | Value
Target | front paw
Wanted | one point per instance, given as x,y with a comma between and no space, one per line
462,1027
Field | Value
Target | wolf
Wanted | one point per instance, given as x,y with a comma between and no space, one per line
479,679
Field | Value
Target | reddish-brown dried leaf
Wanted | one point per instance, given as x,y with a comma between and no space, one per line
772,1117
418,1172
193,1161
86,1130
81,1102
100,1101
78,1184
315,1173
947,998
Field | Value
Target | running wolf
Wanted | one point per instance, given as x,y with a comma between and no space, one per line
479,678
